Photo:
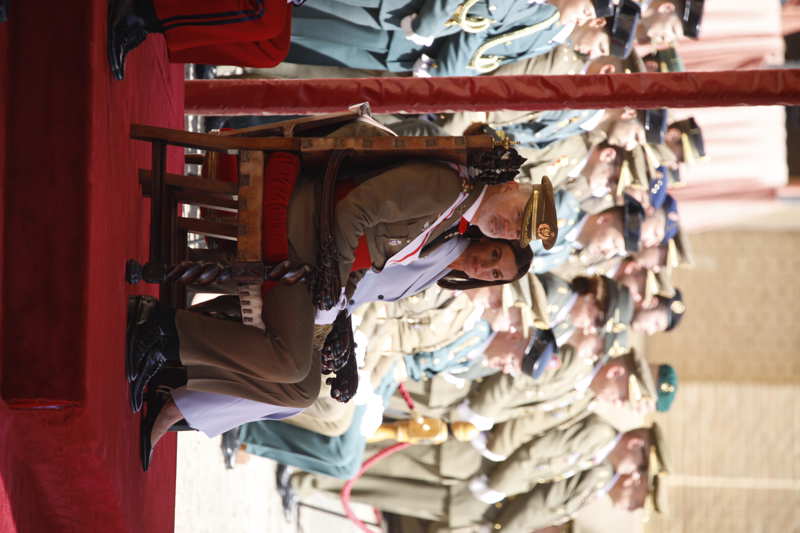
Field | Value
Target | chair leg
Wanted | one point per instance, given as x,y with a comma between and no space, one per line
163,209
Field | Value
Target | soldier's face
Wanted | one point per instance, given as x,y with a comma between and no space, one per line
602,237
587,345
488,260
500,214
661,24
505,352
627,132
653,227
601,169
635,279
651,258
630,491
611,382
673,139
578,12
650,321
586,315
591,39
634,449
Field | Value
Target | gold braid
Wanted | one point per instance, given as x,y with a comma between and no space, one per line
487,63
469,23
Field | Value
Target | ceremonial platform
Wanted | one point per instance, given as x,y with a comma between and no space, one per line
72,215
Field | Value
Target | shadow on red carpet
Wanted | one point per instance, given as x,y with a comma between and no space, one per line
72,215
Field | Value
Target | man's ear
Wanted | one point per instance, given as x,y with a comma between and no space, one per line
634,443
615,371
607,154
666,8
607,69
597,23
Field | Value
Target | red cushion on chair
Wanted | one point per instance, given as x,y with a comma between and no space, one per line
280,175
362,259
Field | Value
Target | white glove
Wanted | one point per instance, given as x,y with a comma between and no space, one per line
361,341
365,391
479,443
466,414
479,487
373,416
419,40
422,66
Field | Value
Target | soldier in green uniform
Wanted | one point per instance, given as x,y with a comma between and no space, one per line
324,38
407,482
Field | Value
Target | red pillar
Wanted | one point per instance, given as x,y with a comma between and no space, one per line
485,93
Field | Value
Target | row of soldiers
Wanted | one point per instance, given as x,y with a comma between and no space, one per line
520,373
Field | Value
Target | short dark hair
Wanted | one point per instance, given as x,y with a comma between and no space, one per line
459,281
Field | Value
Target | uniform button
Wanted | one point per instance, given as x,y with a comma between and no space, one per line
352,302
498,526
380,297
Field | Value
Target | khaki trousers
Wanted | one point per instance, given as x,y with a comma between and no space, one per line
276,366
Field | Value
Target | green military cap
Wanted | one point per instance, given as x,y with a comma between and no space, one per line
694,147
667,387
539,219
642,384
666,60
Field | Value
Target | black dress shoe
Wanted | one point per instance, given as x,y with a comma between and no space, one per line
229,445
204,72
283,475
127,28
140,308
148,370
156,400
150,327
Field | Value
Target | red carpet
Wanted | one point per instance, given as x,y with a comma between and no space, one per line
72,215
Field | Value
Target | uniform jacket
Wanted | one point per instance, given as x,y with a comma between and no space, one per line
530,420
560,60
553,503
424,322
554,455
389,210
455,54
555,160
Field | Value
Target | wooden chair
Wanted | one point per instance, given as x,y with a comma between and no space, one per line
169,263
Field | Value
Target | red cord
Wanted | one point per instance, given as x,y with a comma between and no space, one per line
406,396
348,486
345,496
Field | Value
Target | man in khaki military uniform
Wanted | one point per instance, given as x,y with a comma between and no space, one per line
408,483
228,358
